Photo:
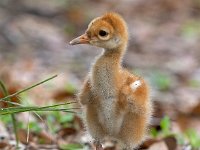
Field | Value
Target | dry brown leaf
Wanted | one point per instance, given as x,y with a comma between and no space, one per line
63,95
196,111
159,146
171,142
110,148
46,138
32,146
11,90
22,135
3,144
187,121
67,131
148,143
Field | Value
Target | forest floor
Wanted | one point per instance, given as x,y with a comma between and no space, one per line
163,48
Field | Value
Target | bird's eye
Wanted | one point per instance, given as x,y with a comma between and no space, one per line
103,33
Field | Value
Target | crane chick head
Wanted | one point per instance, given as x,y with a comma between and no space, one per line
108,31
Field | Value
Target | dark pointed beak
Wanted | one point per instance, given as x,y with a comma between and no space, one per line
83,39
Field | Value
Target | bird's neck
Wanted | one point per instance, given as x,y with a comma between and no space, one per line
106,70
113,57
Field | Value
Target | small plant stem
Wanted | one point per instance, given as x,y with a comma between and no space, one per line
14,121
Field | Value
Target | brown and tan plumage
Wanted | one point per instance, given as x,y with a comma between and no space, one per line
115,102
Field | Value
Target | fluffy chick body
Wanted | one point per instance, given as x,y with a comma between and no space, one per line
116,103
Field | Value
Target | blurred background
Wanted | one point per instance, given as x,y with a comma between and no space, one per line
164,47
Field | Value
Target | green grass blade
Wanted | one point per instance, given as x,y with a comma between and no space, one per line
12,110
14,121
26,89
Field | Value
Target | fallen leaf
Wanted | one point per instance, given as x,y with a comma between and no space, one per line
45,138
22,135
3,144
67,131
159,146
171,142
148,143
63,95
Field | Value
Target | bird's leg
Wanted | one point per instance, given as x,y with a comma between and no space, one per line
98,145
